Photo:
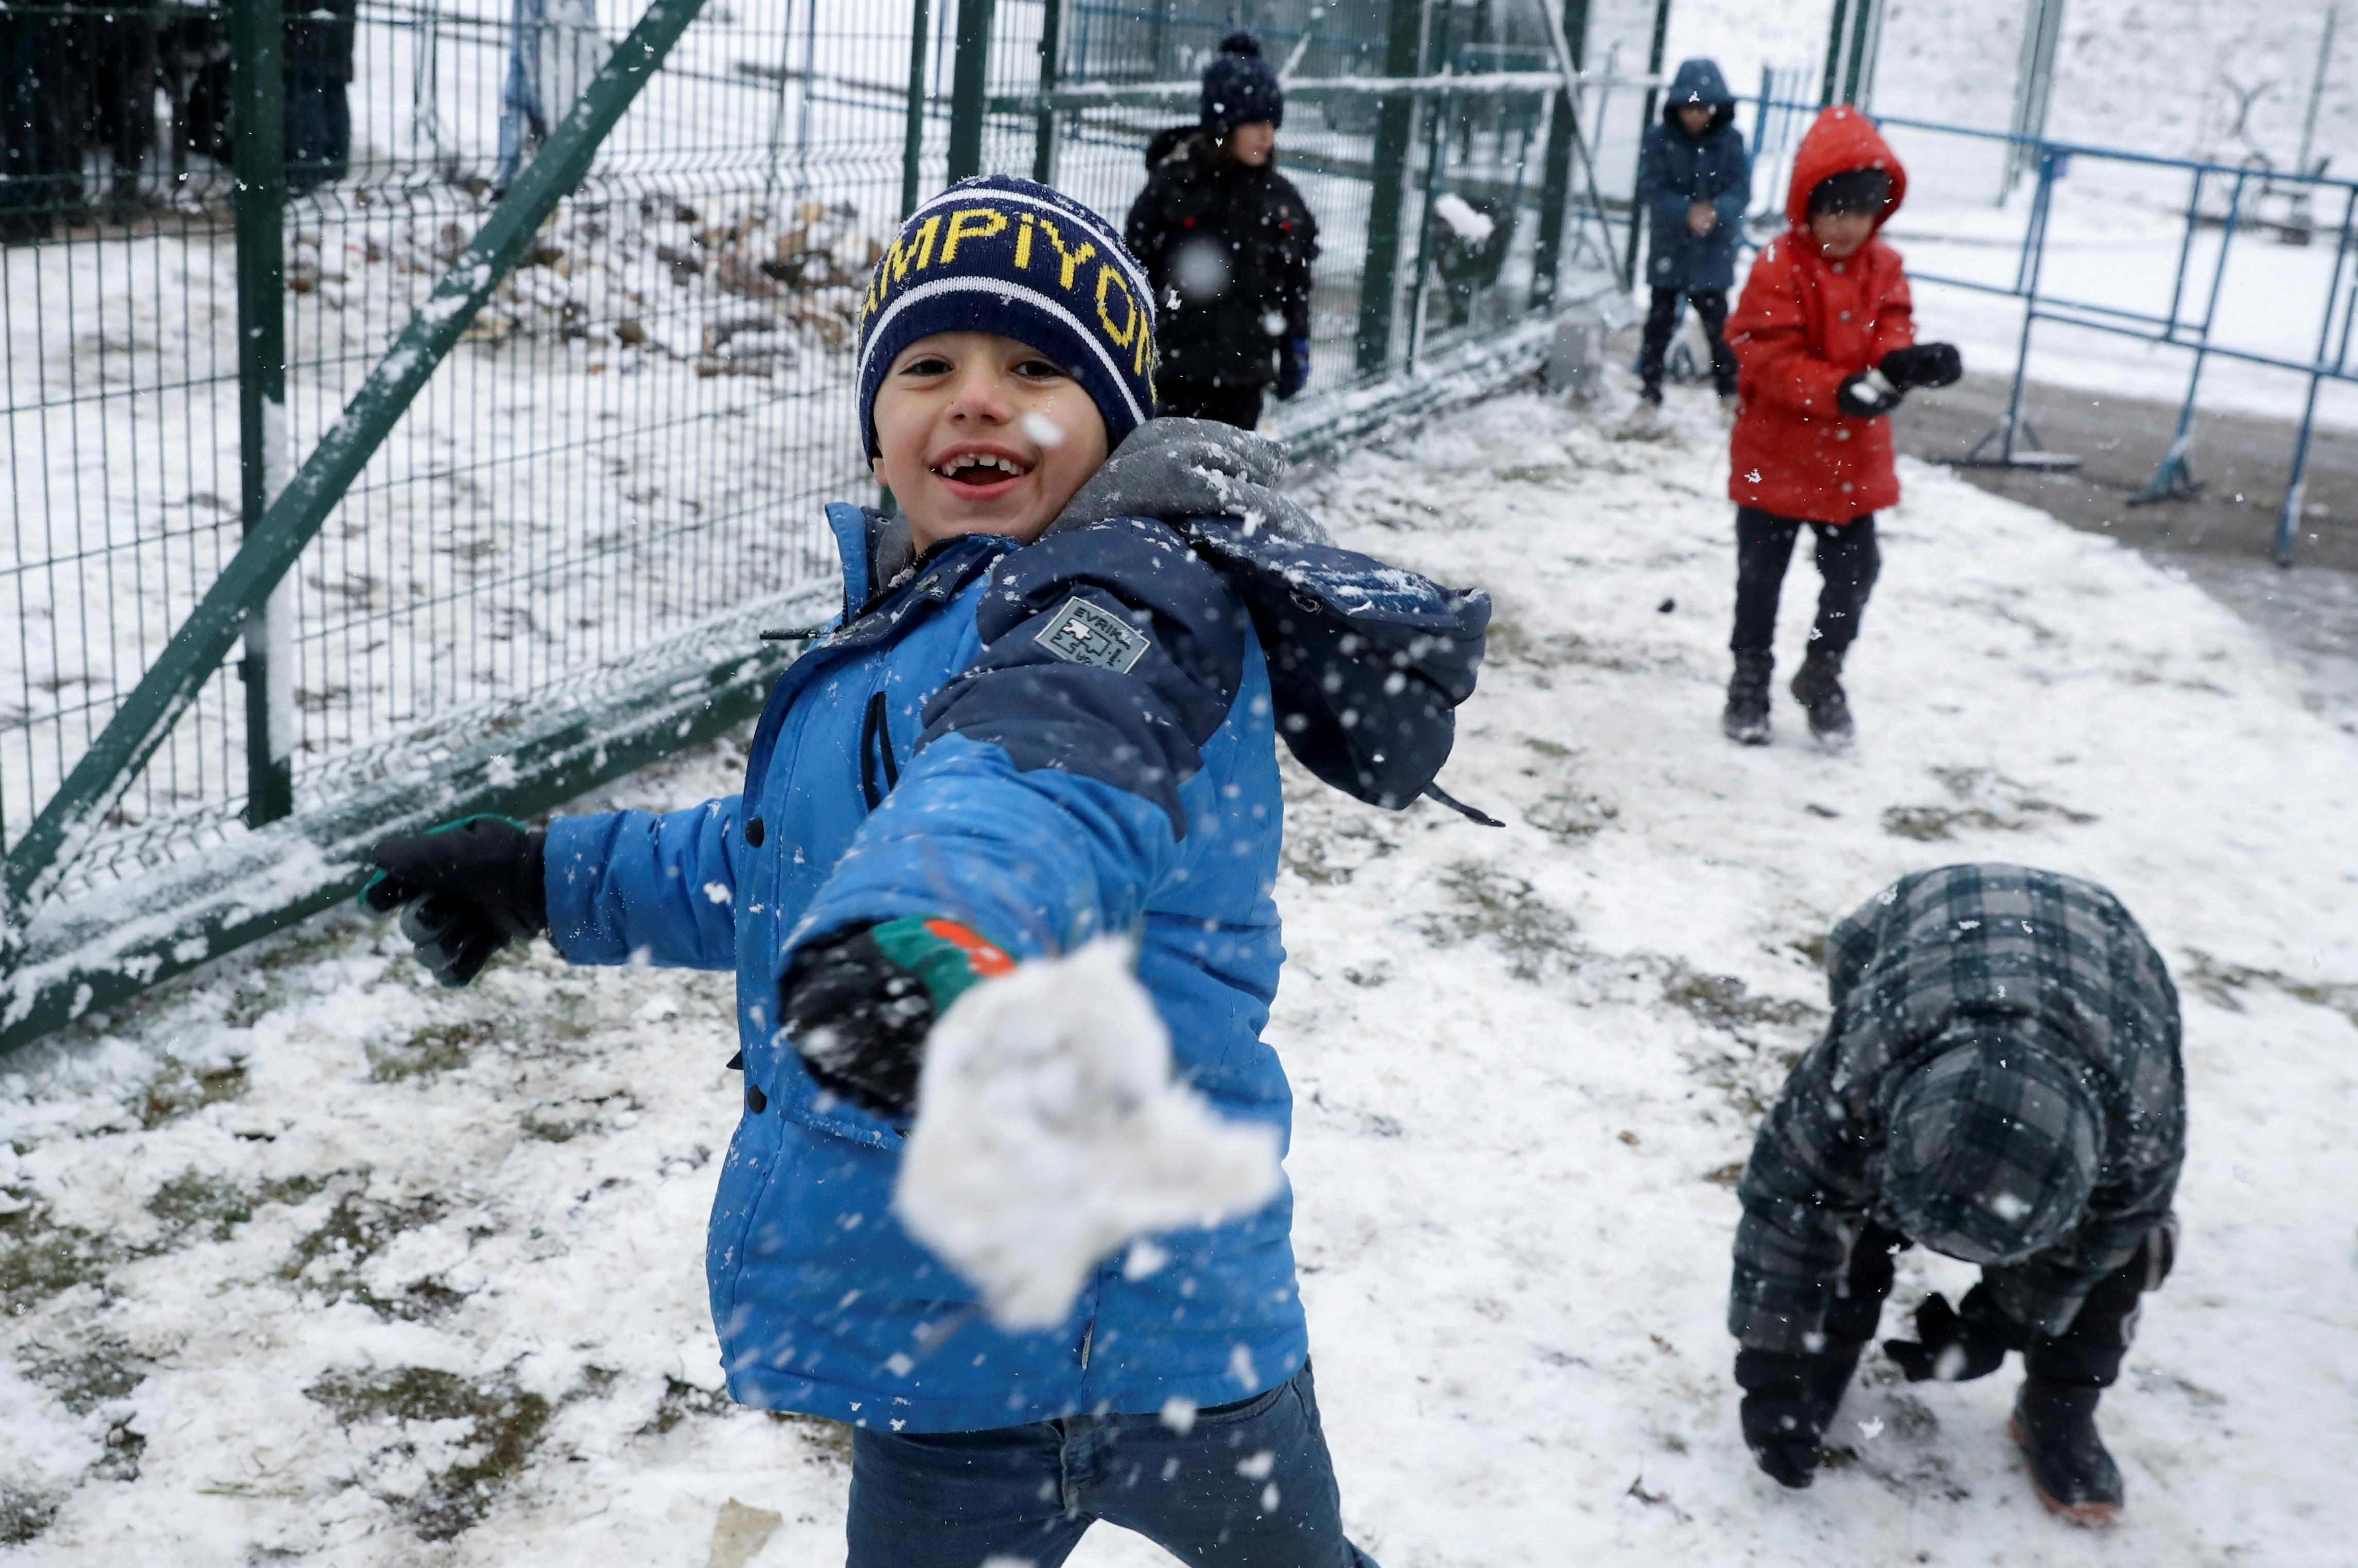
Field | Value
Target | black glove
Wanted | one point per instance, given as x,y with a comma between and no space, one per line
465,890
1956,1347
1789,1402
1923,364
858,1005
1866,394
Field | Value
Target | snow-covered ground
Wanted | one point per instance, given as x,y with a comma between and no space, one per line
306,1259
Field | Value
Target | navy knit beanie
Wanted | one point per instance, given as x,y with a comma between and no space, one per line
1239,88
1005,255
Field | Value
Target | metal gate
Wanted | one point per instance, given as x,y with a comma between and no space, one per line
418,407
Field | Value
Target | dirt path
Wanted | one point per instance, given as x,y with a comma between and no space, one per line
2223,538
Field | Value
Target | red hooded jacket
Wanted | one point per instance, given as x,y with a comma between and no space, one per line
1803,327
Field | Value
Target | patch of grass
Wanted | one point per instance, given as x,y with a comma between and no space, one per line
193,1199
1332,857
1509,643
1988,801
1569,817
86,1375
41,1258
1725,1176
178,1090
1505,911
684,1401
505,1424
831,1438
539,1123
357,1229
2220,983
1725,1002
24,1514
440,1048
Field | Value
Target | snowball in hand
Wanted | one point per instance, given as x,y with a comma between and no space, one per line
1049,1132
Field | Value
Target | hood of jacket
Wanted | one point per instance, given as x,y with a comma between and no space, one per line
1842,138
1699,82
1190,142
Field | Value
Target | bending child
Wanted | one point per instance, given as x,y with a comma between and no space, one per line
2001,1084
1826,338
1048,712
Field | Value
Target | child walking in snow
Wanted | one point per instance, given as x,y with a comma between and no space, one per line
1695,180
1825,338
2001,1082
1049,710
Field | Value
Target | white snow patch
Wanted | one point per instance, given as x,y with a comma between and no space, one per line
1042,429
1049,1131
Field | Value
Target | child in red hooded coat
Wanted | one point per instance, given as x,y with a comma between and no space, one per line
1825,342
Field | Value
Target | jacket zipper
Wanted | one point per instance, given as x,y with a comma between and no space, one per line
875,745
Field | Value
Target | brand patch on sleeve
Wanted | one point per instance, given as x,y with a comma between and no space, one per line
1081,633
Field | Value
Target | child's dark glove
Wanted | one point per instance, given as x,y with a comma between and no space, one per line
1956,1347
1293,367
858,1005
1922,364
1789,1402
465,890
1866,394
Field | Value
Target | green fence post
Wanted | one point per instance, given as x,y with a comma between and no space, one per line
258,159
1862,37
912,135
1645,123
969,83
1395,123
1043,145
1555,188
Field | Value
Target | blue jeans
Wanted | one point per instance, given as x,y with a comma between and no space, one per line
1249,1486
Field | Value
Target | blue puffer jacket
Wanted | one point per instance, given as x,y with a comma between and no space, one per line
952,747
1675,170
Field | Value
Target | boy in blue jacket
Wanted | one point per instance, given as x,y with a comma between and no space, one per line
1695,179
1048,712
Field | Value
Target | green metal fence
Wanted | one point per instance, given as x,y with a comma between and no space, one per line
422,408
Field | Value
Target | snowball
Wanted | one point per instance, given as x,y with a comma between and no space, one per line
1049,1132
1468,225
2007,1206
1042,429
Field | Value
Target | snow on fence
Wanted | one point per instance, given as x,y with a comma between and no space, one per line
422,447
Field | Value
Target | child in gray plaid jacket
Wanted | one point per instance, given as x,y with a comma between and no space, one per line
2000,1083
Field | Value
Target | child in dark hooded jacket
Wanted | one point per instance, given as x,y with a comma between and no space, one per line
1048,710
1694,180
1825,337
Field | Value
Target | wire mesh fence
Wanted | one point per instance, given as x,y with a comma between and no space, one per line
616,473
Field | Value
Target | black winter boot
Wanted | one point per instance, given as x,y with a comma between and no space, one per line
1745,720
2055,1426
1817,685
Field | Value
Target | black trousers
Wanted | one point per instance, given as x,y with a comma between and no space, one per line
2087,1355
1711,307
1238,405
1847,560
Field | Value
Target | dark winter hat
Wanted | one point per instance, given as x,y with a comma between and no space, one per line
1992,1151
1852,190
1005,255
1239,88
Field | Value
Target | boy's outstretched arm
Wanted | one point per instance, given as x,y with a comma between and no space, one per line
1050,790
635,887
